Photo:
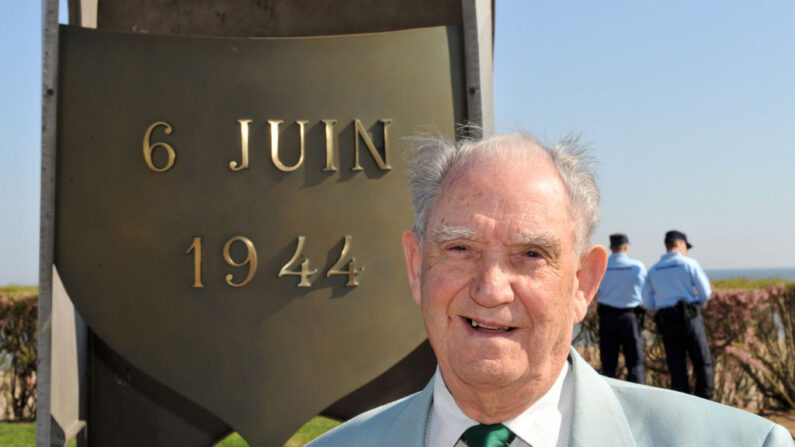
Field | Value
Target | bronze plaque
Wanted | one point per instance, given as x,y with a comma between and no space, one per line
229,210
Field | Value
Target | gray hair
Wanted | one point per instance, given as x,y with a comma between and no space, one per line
431,159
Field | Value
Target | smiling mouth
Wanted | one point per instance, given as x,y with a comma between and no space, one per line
488,329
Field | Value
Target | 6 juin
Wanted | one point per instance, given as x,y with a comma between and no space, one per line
360,137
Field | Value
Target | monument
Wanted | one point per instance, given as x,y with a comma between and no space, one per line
223,193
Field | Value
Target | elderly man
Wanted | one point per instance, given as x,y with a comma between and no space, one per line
500,263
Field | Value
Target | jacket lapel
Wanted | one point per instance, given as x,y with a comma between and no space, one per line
598,418
408,428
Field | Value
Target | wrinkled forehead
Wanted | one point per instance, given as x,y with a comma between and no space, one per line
507,182
504,176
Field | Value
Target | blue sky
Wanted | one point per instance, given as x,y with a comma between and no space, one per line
688,107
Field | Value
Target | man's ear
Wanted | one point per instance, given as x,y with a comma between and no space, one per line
592,269
413,254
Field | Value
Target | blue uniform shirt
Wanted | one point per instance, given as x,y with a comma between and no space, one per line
674,278
623,282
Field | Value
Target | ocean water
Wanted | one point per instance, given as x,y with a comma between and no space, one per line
785,273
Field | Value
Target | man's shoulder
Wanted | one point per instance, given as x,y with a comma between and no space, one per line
668,263
659,416
690,262
624,263
637,265
374,427
656,266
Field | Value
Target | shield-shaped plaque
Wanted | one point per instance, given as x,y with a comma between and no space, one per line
229,211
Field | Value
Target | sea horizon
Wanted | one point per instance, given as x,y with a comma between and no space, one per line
785,273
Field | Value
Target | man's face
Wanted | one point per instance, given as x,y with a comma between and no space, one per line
497,276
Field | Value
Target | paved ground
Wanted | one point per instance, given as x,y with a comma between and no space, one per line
786,419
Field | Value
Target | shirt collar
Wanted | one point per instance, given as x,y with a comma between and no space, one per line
617,258
545,423
448,422
670,255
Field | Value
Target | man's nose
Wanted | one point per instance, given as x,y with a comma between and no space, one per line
492,286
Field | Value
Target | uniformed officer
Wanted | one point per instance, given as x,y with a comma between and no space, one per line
676,289
621,312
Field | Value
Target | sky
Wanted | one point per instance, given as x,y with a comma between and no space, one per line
687,106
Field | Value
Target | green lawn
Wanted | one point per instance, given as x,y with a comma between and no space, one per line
745,283
311,430
15,289
17,434
23,434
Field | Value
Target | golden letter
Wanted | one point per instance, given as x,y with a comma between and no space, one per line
353,267
331,150
196,248
305,272
361,132
274,125
251,260
149,148
233,165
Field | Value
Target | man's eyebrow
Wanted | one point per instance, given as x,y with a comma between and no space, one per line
447,233
548,243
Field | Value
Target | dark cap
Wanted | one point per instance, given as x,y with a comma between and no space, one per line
618,239
674,235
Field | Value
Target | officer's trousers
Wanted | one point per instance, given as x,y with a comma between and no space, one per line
688,338
621,328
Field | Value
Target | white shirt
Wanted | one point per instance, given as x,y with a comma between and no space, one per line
547,423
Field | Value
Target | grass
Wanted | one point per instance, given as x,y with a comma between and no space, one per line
311,430
17,434
745,283
23,434
13,290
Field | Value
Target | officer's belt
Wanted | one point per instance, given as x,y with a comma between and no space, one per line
604,308
681,309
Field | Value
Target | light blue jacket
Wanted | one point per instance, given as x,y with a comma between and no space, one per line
673,278
622,285
607,413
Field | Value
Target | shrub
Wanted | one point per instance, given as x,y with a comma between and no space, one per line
753,332
18,325
751,329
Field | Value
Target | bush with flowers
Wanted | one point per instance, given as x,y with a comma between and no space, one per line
18,324
751,330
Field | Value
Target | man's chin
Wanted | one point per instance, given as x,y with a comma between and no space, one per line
489,372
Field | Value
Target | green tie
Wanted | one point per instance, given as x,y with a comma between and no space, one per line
482,435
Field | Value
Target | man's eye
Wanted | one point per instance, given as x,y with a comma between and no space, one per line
458,248
532,254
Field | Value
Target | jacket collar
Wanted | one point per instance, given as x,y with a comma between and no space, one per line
410,424
598,418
